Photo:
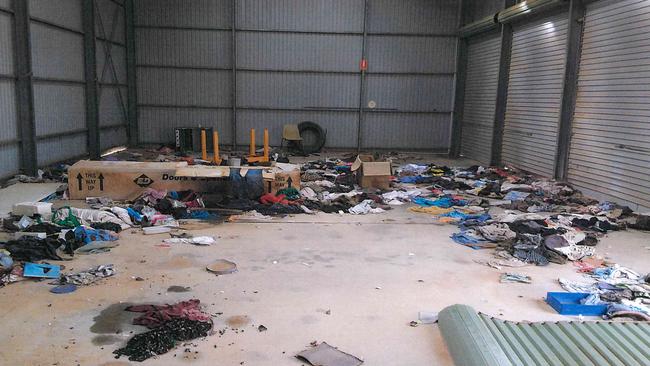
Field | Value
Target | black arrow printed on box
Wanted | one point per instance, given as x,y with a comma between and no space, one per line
80,180
101,181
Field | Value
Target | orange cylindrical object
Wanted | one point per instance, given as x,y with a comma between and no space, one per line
266,142
215,144
204,145
252,147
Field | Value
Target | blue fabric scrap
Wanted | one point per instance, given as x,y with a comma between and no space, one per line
88,235
443,202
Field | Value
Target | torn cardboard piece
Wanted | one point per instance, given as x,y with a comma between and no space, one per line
282,176
326,355
371,173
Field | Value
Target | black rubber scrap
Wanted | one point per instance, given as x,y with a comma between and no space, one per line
314,144
162,339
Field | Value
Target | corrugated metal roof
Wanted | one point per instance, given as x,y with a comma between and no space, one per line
479,340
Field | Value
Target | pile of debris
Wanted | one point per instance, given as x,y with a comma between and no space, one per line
532,221
624,292
169,325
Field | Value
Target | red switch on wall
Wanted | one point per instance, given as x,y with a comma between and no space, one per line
363,65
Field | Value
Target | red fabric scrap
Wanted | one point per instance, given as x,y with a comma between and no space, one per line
269,199
157,315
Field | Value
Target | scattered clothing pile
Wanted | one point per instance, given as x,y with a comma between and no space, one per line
534,220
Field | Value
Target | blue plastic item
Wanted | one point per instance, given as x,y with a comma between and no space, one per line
41,270
568,303
64,289
135,215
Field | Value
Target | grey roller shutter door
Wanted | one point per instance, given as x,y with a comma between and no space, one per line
610,146
483,54
534,94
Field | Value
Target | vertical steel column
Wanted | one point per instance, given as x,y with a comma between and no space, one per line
363,87
459,98
502,94
233,89
459,89
570,89
90,73
131,74
24,88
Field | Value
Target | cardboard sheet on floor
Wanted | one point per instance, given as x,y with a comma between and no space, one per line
24,192
326,355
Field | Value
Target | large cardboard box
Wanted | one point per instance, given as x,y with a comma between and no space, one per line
371,173
122,180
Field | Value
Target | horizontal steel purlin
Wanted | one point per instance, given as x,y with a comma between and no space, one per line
79,131
49,136
9,142
294,109
293,31
116,85
239,69
42,80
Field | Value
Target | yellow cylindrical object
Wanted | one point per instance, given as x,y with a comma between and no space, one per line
252,147
266,142
215,144
204,145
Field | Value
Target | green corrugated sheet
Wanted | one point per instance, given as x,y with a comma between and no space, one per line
478,340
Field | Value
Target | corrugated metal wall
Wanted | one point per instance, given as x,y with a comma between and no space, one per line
183,55
412,59
9,159
482,78
58,65
300,62
111,72
58,80
534,94
610,146
296,61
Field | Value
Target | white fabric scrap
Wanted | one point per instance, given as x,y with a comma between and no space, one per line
577,252
512,216
365,208
308,193
87,217
507,187
332,196
572,286
197,240
574,237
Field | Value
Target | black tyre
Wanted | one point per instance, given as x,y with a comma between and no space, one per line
313,137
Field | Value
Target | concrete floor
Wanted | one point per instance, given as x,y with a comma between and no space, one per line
366,270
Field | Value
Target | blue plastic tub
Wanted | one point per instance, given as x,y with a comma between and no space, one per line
568,303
